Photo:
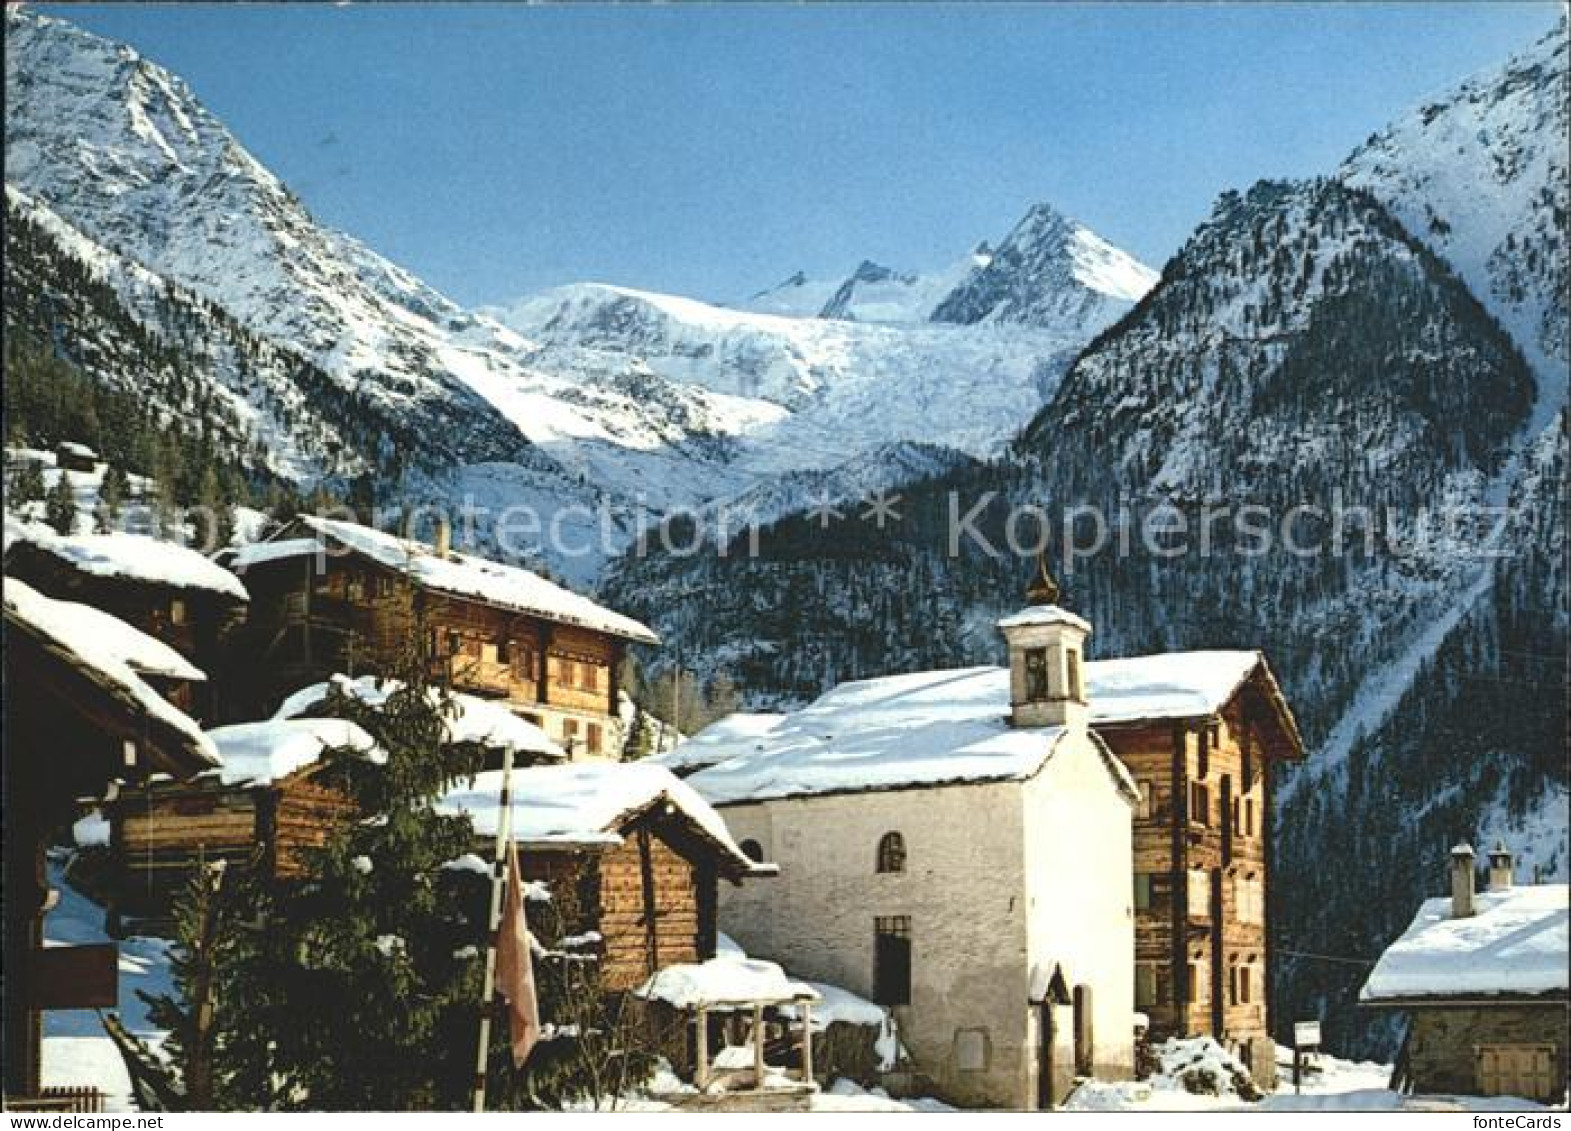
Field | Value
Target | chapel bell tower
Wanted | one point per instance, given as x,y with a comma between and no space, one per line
1046,658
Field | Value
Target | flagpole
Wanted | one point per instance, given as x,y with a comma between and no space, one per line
504,828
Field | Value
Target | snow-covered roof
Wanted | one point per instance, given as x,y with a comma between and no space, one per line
261,753
718,741
476,720
930,728
1043,614
256,553
726,980
1514,943
74,633
1166,685
113,637
463,575
586,804
135,557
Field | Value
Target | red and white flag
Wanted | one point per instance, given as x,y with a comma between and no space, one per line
515,967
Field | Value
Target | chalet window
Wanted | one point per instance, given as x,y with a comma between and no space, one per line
1036,674
892,960
1145,985
892,853
1249,816
1199,894
1199,982
1199,803
455,644
1238,818
1246,983
504,650
177,611
1214,733
488,653
354,589
569,734
1143,891
523,659
593,741
1249,899
1232,981
753,851
1145,808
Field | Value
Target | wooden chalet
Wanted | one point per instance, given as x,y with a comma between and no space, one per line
77,721
1201,733
268,804
168,591
629,853
331,596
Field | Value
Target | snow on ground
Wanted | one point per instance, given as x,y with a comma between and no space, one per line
77,1052
843,1095
1197,1074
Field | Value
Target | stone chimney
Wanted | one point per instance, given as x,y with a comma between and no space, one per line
443,541
1462,881
1046,658
1501,868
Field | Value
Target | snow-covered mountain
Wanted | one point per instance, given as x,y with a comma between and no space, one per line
1050,272
805,392
595,395
1302,350
870,293
122,150
1479,173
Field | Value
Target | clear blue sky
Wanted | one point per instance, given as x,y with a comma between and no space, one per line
711,151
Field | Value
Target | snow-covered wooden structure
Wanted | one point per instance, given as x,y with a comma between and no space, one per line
633,857
78,720
954,845
738,1077
333,596
268,804
168,591
1482,980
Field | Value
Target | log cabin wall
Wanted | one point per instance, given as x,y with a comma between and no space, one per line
356,616
1200,873
652,898
159,833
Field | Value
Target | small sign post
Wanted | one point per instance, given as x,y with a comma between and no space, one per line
1306,1036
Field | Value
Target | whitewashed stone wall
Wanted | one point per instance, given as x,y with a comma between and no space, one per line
999,878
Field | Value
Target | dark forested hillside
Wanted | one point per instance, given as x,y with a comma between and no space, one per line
1302,354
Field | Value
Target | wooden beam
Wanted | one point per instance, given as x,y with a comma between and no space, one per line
702,1046
806,1011
758,1046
